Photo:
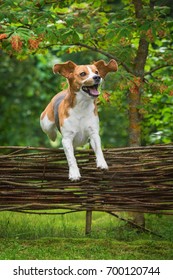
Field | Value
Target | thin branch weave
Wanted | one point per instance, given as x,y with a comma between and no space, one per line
139,179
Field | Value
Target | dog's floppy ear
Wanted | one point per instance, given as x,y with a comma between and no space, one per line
64,69
104,68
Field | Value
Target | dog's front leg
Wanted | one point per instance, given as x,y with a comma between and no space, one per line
96,145
74,173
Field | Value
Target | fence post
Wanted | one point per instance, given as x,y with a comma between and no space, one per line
88,222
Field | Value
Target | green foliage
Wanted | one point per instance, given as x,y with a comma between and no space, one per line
25,91
157,124
107,29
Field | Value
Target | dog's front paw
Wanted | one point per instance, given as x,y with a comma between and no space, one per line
102,165
74,174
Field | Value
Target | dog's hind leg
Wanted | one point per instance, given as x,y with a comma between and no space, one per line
48,127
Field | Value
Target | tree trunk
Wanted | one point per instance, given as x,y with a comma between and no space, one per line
135,95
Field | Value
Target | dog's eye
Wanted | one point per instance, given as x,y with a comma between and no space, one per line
82,74
96,72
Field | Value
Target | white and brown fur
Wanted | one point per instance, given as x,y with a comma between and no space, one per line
74,111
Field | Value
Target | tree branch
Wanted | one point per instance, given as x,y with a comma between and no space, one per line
95,49
138,7
135,225
157,68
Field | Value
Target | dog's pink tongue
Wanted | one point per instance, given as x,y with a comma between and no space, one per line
94,92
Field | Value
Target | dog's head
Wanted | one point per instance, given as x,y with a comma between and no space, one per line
85,78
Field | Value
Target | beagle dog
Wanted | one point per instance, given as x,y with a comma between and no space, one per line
74,110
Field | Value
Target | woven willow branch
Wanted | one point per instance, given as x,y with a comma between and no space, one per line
139,179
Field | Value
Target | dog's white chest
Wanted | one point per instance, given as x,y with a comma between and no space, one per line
80,124
83,128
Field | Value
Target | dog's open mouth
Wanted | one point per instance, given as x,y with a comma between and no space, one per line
91,90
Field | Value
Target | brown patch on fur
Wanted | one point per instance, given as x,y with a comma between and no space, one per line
93,69
64,107
104,68
49,112
65,69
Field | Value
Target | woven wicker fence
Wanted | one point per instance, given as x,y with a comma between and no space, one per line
139,179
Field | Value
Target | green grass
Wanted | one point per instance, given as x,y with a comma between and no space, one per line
84,248
26,236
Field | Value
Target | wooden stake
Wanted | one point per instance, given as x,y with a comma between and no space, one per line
88,222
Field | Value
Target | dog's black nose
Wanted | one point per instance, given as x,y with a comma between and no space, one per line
96,78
